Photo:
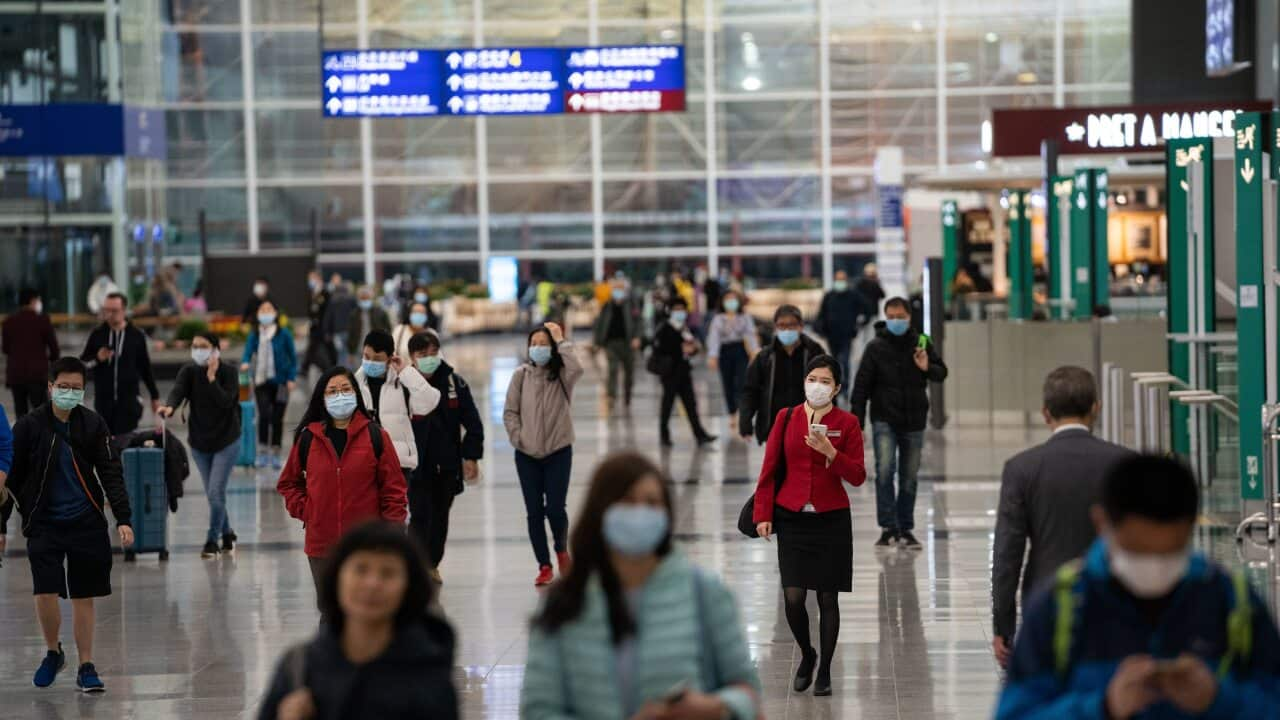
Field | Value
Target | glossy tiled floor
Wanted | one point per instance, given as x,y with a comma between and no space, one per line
194,638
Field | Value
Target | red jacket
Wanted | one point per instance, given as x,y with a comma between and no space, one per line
339,494
809,480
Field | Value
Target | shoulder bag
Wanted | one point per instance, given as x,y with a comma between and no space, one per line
746,523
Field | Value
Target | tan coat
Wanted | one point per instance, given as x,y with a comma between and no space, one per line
538,410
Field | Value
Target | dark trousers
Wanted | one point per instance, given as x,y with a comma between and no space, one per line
431,495
545,484
317,576
122,415
319,353
622,361
270,415
733,373
842,349
28,396
679,386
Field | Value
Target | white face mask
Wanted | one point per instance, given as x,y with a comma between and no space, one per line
1148,576
817,394
37,307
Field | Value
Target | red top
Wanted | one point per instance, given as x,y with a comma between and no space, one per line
339,494
808,479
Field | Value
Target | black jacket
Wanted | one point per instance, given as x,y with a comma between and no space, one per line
112,384
412,680
842,313
668,347
33,444
214,419
1045,496
890,379
378,320
442,442
317,308
762,396
872,293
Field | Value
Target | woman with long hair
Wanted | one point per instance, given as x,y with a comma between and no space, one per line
342,468
814,448
382,655
732,343
272,361
635,630
539,422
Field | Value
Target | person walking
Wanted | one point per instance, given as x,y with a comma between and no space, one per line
394,393
64,518
894,376
342,469
319,340
1045,496
1143,626
636,630
337,317
382,655
116,353
212,393
364,319
617,332
673,345
29,344
732,343
775,378
272,359
261,293
450,447
418,321
843,312
812,450
539,423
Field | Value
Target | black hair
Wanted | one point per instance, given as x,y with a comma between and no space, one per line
611,482
677,302
118,296
316,410
1153,487
262,279
26,295
380,341
213,339
377,536
788,311
556,363
828,362
68,364
898,302
1069,392
742,300
423,341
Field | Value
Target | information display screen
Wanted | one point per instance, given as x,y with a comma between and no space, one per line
503,81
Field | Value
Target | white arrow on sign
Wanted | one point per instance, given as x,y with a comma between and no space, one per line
455,82
1246,172
455,104
454,60
575,80
334,106
575,101
1251,463
333,83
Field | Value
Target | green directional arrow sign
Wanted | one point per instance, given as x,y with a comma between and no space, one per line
1251,316
950,247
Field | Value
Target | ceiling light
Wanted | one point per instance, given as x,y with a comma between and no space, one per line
751,83
986,136
1026,77
669,34
917,26
992,37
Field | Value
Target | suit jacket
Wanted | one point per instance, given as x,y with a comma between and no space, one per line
1045,496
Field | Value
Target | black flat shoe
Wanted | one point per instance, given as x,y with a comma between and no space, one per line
804,673
822,688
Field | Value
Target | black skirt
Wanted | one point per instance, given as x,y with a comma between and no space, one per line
815,550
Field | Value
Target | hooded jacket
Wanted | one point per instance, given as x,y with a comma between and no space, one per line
761,396
402,397
454,431
889,378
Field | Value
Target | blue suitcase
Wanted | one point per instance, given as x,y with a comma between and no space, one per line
148,499
248,435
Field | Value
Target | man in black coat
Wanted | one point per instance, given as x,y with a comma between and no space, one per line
117,355
1045,496
842,314
319,339
775,378
894,376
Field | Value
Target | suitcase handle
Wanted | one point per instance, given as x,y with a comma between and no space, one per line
146,499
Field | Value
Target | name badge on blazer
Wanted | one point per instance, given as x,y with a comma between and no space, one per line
833,433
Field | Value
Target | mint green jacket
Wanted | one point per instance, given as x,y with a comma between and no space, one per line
572,672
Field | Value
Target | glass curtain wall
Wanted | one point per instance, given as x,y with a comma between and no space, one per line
768,171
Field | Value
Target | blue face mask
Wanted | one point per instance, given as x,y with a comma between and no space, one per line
430,364
788,337
679,317
374,369
364,304
340,406
619,295
266,318
635,530
418,319
420,297
540,354
897,326
67,399
840,285
732,305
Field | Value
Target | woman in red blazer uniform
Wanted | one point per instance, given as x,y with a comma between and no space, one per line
812,453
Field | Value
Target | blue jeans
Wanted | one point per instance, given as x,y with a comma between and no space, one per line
545,484
896,453
215,470
843,351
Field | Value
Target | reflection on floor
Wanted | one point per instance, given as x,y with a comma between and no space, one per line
197,638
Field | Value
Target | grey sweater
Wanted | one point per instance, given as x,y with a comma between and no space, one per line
538,410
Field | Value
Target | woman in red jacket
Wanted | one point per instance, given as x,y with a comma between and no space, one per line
348,475
811,449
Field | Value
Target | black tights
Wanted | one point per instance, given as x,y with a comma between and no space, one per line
828,622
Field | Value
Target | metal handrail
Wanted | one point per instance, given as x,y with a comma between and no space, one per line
1270,441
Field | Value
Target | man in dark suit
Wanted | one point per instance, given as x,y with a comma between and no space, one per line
1045,496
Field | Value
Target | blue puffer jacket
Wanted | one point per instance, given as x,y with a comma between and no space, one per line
1110,627
283,350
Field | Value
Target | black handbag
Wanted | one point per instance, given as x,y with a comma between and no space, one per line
746,517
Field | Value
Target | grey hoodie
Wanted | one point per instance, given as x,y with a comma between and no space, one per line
538,412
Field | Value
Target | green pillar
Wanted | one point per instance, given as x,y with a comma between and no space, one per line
1099,247
1058,245
950,247
1251,316
1020,275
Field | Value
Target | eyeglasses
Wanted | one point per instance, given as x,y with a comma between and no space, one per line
64,387
335,391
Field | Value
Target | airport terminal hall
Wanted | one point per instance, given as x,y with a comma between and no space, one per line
639,359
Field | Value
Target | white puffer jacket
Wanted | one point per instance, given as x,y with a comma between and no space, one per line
394,415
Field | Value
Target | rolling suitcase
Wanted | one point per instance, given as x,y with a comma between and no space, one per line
148,498
248,456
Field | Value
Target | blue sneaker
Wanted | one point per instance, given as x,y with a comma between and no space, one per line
48,670
87,680
261,461
276,463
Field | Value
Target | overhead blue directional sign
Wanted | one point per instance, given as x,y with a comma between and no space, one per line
504,81
382,83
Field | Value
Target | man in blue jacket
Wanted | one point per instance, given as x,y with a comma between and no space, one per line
1155,630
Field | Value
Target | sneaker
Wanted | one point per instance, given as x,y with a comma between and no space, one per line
909,541
545,576
261,461
87,680
435,576
887,539
276,463
707,440
229,542
210,550
53,662
565,563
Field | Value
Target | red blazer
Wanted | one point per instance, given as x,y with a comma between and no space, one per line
340,494
809,480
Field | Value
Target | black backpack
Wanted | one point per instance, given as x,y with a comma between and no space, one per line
304,445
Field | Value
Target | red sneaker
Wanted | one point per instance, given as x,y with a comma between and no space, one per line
565,563
545,576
